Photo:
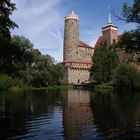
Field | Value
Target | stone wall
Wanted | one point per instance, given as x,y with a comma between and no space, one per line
123,55
85,53
130,58
76,75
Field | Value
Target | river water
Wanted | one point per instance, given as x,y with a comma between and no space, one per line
69,115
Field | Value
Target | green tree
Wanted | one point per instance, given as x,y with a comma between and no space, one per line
126,77
43,72
6,9
57,73
132,13
16,57
6,24
130,40
104,61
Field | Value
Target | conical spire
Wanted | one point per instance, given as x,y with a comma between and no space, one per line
109,17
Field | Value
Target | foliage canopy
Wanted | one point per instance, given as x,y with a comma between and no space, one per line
6,9
104,61
126,77
132,13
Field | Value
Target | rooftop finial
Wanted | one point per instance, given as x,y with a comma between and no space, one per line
109,17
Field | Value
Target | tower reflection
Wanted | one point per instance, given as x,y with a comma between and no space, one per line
77,115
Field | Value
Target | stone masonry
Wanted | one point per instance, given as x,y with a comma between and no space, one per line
76,54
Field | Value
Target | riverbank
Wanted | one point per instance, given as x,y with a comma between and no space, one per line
103,88
54,87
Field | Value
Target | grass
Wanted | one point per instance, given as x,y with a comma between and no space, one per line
52,87
103,88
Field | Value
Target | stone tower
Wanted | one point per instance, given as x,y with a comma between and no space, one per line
110,32
76,54
71,37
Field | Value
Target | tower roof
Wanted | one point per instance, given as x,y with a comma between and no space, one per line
109,23
109,19
72,15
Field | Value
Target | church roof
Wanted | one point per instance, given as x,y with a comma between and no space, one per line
109,23
82,44
99,42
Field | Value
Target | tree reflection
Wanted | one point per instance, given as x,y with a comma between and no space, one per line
19,107
117,114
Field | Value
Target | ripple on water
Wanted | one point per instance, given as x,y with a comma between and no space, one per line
48,126
90,132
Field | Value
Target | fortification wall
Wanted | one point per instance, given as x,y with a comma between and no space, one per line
76,75
123,55
85,53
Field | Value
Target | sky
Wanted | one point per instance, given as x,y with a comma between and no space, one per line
42,21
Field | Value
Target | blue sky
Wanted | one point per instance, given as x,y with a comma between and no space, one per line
42,21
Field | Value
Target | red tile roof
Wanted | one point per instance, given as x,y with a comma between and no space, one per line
82,44
99,42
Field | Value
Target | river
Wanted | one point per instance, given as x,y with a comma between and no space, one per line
69,115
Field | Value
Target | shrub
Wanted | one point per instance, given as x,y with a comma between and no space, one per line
104,88
126,77
6,82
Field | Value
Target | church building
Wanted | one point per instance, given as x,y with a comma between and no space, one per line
77,55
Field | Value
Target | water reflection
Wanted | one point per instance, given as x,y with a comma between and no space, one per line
34,115
117,116
69,115
78,116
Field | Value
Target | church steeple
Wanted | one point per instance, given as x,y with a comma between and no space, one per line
110,31
109,19
109,16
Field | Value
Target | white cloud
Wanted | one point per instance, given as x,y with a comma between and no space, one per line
42,22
